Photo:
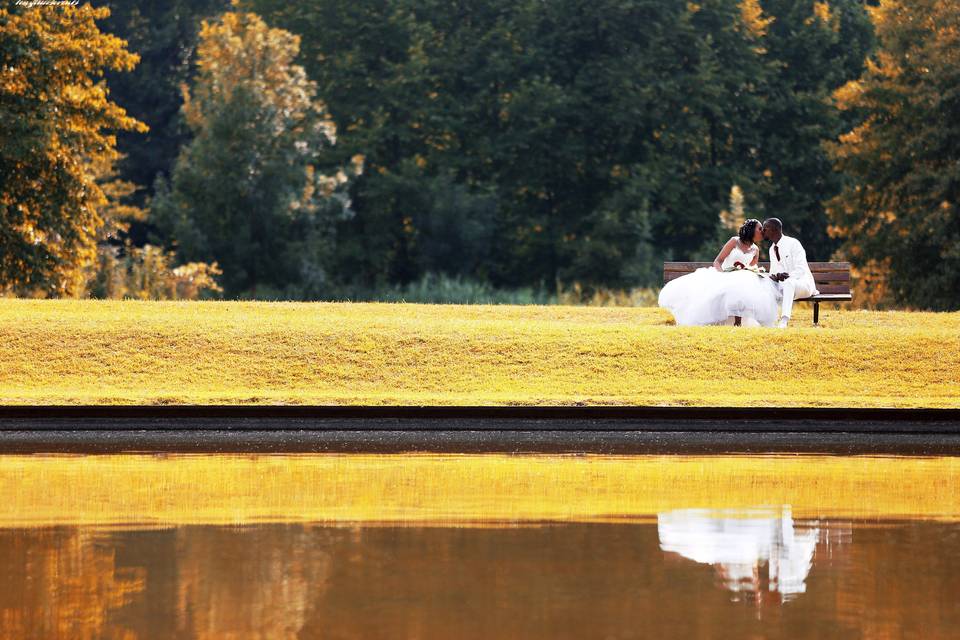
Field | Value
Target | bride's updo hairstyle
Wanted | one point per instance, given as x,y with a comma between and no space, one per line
747,229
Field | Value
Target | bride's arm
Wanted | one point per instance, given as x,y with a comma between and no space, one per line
756,256
727,248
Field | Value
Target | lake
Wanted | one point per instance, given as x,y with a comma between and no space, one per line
479,546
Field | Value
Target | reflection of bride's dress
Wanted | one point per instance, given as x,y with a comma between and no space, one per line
708,296
738,546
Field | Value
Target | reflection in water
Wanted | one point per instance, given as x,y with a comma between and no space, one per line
132,489
753,552
267,595
144,547
549,581
62,583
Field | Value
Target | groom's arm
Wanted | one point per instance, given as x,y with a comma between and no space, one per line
800,266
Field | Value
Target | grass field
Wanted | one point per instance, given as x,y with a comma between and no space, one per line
68,351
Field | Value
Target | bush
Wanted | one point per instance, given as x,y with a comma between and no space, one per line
599,297
148,274
433,288
440,288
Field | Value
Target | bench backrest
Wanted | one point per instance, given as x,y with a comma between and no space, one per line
831,277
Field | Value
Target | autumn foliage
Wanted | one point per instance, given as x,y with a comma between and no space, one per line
899,214
56,127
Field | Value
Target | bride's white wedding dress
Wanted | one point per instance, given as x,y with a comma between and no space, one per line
708,296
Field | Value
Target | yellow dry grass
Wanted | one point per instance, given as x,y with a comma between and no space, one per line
68,351
146,490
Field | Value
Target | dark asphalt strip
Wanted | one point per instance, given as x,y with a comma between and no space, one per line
567,429
501,418
477,441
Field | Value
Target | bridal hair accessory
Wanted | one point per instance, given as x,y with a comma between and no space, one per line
747,228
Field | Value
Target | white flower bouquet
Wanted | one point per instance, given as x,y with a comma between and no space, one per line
739,266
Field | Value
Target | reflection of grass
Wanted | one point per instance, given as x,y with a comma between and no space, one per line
178,489
339,353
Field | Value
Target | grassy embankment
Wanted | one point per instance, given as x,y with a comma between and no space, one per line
60,352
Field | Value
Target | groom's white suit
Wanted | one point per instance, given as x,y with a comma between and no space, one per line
787,256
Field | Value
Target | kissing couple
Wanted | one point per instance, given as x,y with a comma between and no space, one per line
735,290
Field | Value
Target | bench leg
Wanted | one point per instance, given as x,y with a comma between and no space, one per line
816,313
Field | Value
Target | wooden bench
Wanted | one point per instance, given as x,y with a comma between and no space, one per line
832,278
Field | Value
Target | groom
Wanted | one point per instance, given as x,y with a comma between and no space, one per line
788,268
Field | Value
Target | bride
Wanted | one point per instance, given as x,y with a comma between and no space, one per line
711,295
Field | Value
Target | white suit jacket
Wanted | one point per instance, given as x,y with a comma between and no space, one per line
793,260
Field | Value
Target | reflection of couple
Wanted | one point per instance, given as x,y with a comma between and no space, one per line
734,288
740,545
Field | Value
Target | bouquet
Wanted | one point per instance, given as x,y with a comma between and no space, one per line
739,266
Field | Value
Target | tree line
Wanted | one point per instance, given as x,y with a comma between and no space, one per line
336,149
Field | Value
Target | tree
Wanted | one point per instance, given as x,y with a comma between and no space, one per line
608,133
55,143
814,47
164,35
372,64
898,213
248,191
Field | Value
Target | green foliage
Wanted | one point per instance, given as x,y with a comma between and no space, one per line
433,288
452,228
164,35
813,48
248,191
899,213
562,146
440,288
606,135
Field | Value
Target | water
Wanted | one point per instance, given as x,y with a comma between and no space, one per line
479,547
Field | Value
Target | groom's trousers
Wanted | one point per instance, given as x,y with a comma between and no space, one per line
791,290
